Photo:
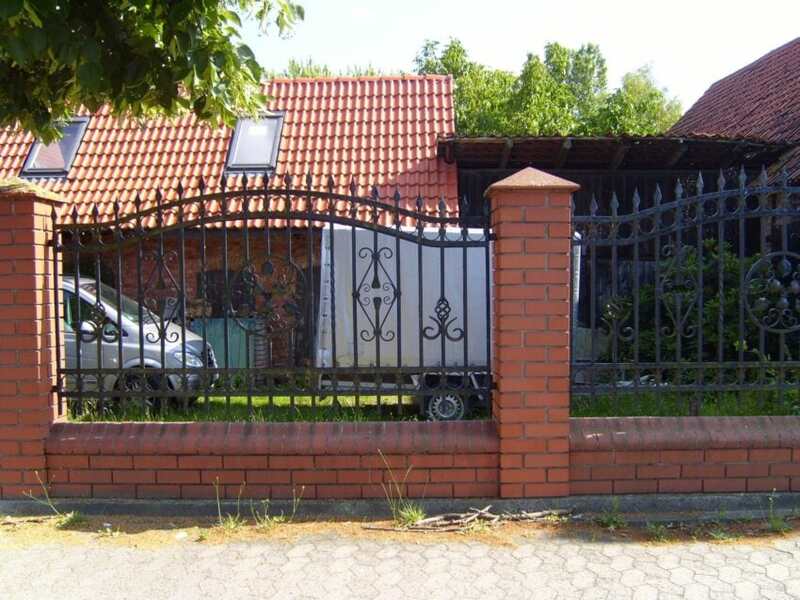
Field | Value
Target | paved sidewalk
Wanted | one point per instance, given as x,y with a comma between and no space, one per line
534,567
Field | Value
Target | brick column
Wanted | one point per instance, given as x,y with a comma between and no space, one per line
27,335
532,224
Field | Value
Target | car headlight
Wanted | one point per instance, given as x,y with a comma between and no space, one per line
192,360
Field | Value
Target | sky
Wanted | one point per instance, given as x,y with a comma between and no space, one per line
688,44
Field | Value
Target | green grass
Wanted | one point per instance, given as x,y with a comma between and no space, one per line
672,404
261,409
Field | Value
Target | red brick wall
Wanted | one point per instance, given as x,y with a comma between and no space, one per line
531,221
27,340
329,460
685,454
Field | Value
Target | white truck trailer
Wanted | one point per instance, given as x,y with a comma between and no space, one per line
393,304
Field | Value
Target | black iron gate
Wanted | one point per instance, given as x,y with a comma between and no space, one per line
689,306
272,303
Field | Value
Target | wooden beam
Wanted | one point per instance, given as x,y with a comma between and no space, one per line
677,155
562,154
734,157
619,156
504,156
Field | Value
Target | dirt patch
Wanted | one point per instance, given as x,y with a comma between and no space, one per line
148,532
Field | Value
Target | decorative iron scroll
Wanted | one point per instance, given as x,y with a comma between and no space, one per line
160,293
443,323
678,291
268,298
616,312
772,292
379,294
98,322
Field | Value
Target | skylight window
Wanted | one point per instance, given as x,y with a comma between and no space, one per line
55,158
255,142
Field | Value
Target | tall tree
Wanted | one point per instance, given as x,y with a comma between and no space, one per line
638,107
566,92
308,68
140,57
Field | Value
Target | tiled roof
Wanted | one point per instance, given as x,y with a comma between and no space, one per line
375,130
760,101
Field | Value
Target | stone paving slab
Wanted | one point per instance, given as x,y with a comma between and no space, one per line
331,567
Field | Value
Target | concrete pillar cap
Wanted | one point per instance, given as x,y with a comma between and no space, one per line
531,179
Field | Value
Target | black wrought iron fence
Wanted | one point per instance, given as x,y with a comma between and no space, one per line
689,307
273,303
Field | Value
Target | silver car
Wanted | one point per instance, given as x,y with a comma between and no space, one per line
141,342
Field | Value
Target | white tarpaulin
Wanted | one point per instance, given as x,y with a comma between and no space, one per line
376,277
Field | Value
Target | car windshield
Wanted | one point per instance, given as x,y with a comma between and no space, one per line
128,307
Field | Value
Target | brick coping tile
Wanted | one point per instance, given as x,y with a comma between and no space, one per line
683,433
272,438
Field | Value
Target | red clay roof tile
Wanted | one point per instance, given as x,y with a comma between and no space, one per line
760,101
375,130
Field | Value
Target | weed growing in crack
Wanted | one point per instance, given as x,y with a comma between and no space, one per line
264,520
612,519
657,532
229,522
405,512
63,520
775,522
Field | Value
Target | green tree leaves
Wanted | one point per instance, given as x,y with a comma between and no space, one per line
638,107
141,57
564,93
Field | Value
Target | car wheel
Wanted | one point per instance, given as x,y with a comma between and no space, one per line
445,407
139,383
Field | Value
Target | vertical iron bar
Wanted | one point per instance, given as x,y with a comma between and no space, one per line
100,331
657,298
356,291
162,381
310,317
678,266
742,205
290,374
226,297
331,255
785,206
182,300
251,301
77,319
420,243
206,381
270,379
721,220
376,299
487,297
443,383
615,323
140,298
636,276
56,249
763,250
700,217
465,304
118,238
398,303
593,232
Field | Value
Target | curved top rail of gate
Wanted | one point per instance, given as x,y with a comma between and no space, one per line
275,207
759,199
